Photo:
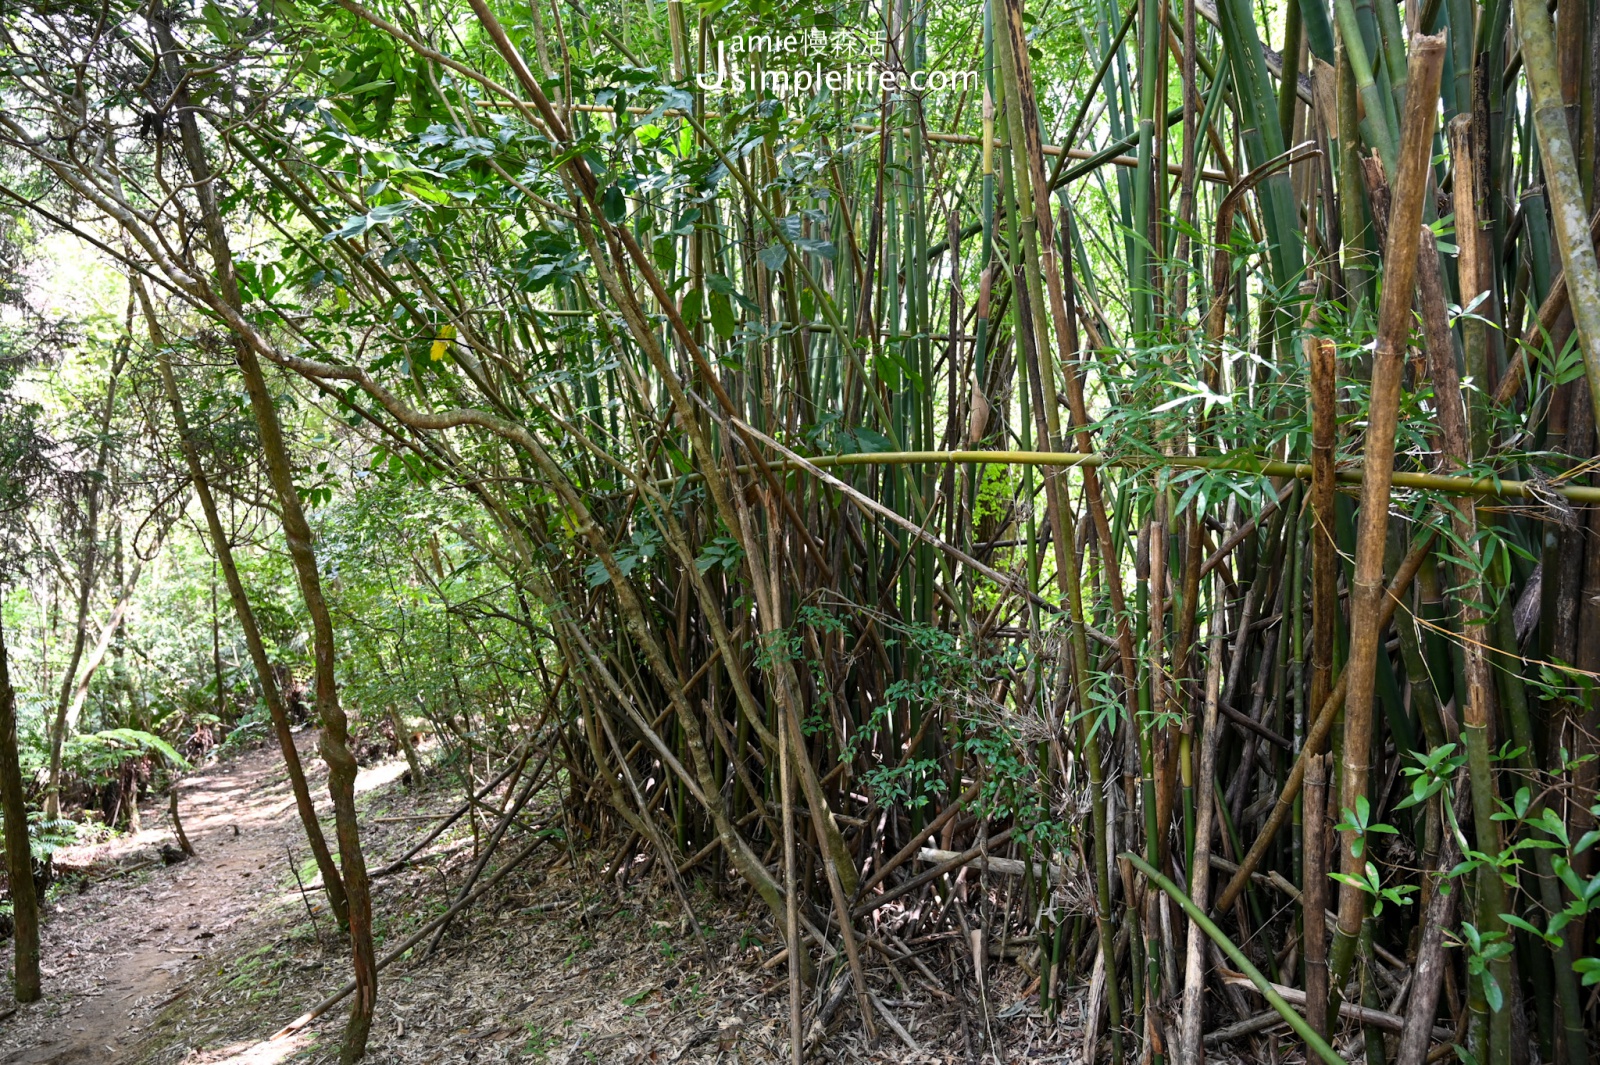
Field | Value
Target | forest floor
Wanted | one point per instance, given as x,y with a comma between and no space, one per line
202,961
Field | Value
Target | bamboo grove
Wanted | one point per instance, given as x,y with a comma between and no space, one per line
1164,456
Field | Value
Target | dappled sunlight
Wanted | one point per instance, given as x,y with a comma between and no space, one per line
266,1052
377,776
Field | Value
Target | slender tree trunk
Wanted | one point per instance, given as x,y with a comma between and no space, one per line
97,655
86,574
332,883
19,860
335,734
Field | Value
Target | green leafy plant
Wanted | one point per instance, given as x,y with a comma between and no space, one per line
1372,884
1359,822
1483,950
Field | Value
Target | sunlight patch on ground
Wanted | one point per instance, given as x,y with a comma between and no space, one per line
379,775
267,1052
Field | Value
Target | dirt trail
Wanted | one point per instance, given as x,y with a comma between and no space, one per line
118,952
201,961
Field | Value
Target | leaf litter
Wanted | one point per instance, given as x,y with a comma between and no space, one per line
202,961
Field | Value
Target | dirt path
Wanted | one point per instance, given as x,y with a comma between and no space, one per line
200,962
118,952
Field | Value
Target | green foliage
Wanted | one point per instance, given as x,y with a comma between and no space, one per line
46,836
912,784
98,752
638,549
1437,768
1483,949
723,552
1358,821
1371,884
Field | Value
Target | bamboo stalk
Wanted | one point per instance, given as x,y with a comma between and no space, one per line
1431,962
1268,991
1314,900
1388,363
1477,709
1543,324
1242,463
1200,878
1563,183
791,893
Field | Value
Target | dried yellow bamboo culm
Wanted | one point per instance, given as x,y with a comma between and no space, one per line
1409,184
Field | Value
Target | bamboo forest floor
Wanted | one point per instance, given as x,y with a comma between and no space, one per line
201,961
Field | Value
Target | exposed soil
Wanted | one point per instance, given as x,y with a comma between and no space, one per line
203,960
121,948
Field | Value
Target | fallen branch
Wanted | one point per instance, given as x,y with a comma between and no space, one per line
964,858
493,843
909,851
1249,1026
443,852
1389,1022
122,870
416,937
455,815
888,1018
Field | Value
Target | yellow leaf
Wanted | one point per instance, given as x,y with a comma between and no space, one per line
441,343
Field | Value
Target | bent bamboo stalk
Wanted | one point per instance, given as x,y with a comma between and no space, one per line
1245,464
1268,990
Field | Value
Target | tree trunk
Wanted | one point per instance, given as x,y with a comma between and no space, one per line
335,733
332,883
97,655
19,862
86,567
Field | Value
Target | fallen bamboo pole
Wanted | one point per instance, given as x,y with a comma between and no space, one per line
1269,991
948,866
1003,866
1388,1022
